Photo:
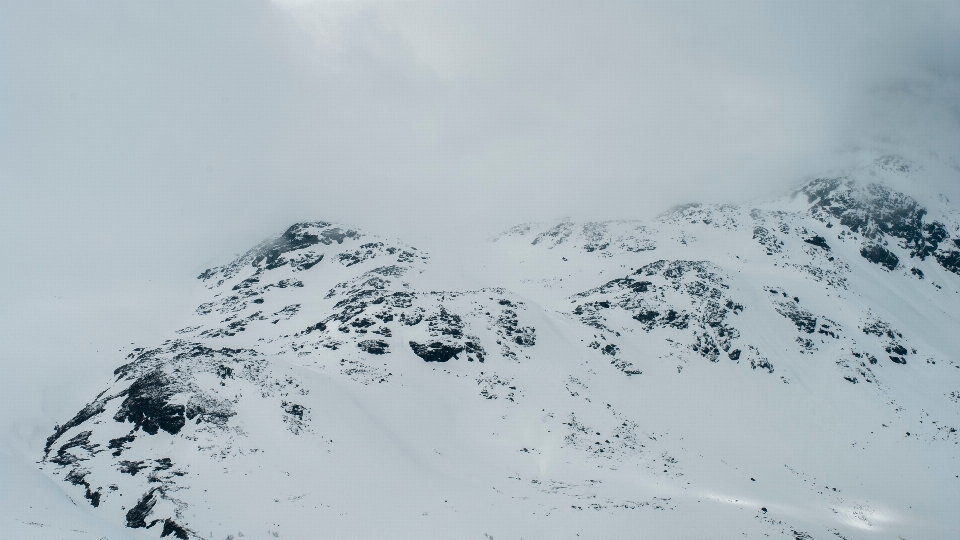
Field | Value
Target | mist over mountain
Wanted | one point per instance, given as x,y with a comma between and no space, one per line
615,172
785,367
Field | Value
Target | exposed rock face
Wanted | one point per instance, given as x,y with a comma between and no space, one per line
143,401
658,295
879,255
278,252
878,213
147,405
605,239
435,351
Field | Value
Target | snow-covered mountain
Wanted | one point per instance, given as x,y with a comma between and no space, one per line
786,368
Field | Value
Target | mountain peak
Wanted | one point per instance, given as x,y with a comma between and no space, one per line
621,369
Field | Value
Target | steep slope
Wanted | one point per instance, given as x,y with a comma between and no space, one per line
786,368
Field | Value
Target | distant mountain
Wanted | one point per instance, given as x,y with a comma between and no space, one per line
787,368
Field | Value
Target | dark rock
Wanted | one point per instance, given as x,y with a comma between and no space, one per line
81,440
762,363
292,239
647,316
644,300
118,444
372,346
207,409
879,328
392,270
768,240
319,326
610,349
137,516
147,405
224,372
131,467
950,260
896,348
77,477
435,351
446,323
803,319
818,241
474,348
284,283
88,412
294,409
365,252
170,527
641,286
247,283
412,319
362,322
557,234
306,261
706,345
874,211
827,328
878,254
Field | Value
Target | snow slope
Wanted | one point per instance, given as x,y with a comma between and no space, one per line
786,368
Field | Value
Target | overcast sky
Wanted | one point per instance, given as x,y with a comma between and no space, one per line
141,142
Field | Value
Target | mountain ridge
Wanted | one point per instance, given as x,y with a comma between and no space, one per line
600,393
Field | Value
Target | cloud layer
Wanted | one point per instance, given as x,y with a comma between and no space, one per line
142,142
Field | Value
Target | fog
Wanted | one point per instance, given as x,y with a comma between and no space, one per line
143,142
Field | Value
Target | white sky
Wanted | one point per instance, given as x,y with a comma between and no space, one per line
143,142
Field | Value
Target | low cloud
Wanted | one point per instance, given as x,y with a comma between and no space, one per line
140,143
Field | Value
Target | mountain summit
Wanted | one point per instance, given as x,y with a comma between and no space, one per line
786,368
